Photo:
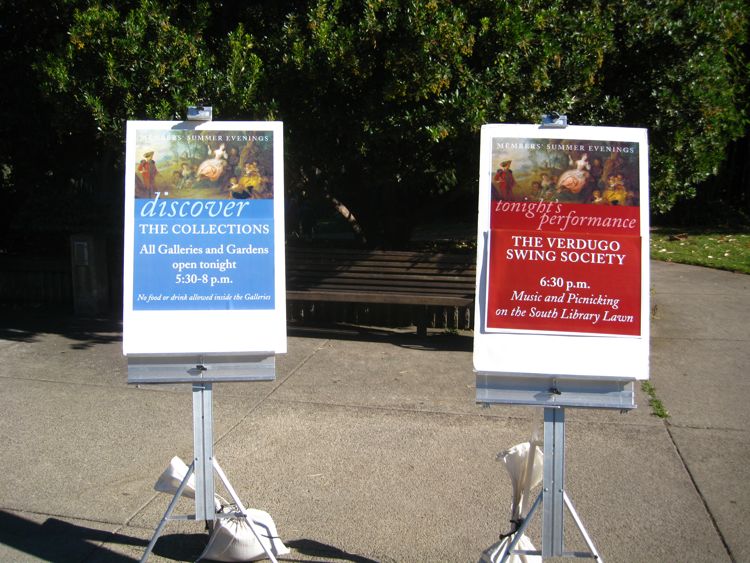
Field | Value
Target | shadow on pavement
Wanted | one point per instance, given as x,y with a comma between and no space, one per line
314,548
445,341
60,541
84,333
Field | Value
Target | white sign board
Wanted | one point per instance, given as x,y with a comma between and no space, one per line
204,238
563,255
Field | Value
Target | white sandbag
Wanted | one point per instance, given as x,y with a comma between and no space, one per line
525,465
233,540
169,481
525,468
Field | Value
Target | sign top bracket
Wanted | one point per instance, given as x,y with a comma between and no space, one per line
200,113
554,120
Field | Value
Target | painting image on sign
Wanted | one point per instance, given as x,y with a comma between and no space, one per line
203,224
564,239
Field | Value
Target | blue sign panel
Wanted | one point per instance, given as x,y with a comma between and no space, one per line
196,254
204,220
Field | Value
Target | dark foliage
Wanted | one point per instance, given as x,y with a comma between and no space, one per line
382,100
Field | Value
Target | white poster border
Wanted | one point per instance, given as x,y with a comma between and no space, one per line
233,331
576,355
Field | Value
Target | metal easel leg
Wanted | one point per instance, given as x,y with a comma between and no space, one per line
220,472
581,529
168,513
203,443
555,499
554,482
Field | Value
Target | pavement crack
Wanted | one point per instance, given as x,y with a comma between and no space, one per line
711,517
707,428
263,399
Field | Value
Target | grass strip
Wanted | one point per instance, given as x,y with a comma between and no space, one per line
657,407
714,249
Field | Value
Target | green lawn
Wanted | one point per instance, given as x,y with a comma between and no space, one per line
721,250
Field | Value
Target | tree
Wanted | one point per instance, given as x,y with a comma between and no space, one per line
678,69
151,61
368,95
383,100
95,67
36,159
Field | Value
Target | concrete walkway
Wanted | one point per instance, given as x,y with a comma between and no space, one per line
369,445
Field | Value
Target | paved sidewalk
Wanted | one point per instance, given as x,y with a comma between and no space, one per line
369,445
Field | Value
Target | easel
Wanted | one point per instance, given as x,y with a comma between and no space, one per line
201,374
554,394
263,325
517,363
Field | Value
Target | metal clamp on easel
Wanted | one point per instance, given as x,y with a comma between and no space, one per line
554,120
200,113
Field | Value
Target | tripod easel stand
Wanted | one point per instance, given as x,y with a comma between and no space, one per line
554,395
201,371
204,466
553,497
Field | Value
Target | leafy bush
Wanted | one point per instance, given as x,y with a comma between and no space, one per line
383,100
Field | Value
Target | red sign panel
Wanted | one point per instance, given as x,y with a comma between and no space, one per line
546,281
565,242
